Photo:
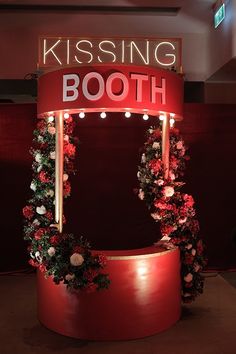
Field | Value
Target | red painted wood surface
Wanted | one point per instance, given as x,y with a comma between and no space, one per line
143,298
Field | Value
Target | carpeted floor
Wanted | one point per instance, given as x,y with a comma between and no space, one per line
207,327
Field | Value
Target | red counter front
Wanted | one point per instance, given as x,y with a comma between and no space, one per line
143,299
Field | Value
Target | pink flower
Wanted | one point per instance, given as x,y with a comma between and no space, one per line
188,278
141,194
51,251
168,191
179,145
51,130
76,259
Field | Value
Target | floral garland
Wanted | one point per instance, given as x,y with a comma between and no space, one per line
172,208
63,256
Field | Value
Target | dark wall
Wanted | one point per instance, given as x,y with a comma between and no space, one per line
103,206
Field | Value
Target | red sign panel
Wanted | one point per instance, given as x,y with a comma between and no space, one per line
111,88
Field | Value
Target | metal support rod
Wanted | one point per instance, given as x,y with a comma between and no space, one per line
59,169
166,144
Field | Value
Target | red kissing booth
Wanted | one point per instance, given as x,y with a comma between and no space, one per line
144,296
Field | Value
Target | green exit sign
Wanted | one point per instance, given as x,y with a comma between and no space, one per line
219,15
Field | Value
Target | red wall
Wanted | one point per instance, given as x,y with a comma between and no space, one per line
103,207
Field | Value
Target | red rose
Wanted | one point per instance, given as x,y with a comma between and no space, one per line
41,125
28,211
188,200
156,133
166,230
49,215
69,149
66,188
42,268
39,233
102,260
43,177
33,263
155,165
54,240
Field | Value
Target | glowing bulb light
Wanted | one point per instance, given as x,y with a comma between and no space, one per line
81,115
127,114
161,117
103,115
50,119
145,116
172,122
66,115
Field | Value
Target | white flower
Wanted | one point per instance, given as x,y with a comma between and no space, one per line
36,222
50,119
156,216
66,137
193,252
38,157
40,138
38,257
141,194
52,155
33,186
172,176
139,174
189,246
76,259
168,191
41,210
182,220
143,159
188,278
32,255
51,251
50,193
69,277
39,168
150,130
65,177
156,145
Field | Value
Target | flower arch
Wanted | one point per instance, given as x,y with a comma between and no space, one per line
65,257
171,207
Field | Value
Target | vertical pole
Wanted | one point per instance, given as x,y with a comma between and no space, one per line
59,171
166,144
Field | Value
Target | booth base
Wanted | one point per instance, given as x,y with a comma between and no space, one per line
143,298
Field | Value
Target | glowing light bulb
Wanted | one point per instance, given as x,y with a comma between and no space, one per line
172,122
161,117
50,119
103,115
66,115
127,114
145,116
81,115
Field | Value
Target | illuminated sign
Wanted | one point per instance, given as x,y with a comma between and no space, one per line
56,52
112,88
219,15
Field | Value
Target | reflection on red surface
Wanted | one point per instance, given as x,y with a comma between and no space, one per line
143,298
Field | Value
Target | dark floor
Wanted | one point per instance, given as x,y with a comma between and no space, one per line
206,327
